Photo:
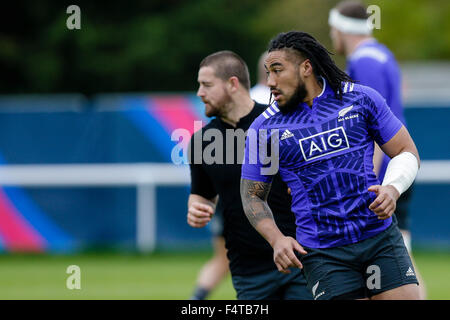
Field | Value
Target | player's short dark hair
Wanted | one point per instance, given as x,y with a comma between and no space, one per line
227,64
353,9
307,47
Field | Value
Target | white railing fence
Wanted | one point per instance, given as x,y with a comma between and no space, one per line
146,177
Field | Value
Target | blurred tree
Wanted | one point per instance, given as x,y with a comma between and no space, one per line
415,29
146,46
157,45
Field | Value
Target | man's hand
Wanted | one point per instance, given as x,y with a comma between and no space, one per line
283,254
386,201
199,214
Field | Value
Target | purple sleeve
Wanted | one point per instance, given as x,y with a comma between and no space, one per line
369,72
383,124
256,145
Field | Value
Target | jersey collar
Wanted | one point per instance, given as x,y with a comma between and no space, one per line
326,90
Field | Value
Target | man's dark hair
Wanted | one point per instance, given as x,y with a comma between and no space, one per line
227,64
353,9
307,47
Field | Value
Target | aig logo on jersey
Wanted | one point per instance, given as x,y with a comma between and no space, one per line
324,143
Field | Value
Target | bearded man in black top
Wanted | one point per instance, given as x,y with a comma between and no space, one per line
215,155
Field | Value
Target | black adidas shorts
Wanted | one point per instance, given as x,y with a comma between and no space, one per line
359,270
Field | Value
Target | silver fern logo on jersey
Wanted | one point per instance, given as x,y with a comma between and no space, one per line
344,111
342,114
324,143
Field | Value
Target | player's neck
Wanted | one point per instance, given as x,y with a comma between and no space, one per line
353,42
238,108
314,88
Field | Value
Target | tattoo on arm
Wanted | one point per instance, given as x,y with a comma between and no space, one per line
254,200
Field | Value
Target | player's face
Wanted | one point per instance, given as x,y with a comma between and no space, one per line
284,79
212,91
337,40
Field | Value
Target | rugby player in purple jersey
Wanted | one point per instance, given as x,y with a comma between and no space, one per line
372,64
323,127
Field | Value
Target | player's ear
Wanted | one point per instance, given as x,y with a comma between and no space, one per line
233,84
306,68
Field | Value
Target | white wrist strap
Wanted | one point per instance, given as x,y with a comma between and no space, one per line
401,171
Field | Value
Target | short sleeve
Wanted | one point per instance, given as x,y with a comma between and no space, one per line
383,124
201,183
260,159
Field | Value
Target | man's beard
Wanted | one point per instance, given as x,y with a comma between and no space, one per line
214,111
219,108
298,97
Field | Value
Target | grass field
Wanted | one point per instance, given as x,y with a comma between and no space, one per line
160,276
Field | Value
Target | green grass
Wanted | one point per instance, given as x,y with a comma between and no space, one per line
161,276
434,269
105,276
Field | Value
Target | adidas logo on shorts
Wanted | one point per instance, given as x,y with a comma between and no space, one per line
286,134
409,273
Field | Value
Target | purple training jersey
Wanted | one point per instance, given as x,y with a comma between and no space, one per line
373,65
325,157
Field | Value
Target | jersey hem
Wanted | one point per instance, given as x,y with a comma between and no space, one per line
345,242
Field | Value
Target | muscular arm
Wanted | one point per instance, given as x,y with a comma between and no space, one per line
400,142
377,159
254,199
384,204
